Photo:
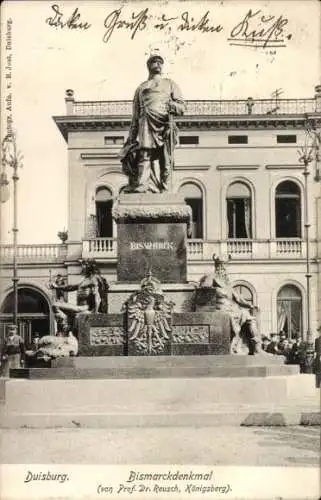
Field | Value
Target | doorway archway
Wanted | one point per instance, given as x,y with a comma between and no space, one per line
33,313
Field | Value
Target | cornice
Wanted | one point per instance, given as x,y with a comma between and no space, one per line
191,167
289,166
99,156
237,167
67,124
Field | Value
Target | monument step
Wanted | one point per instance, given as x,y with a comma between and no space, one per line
168,361
256,417
153,372
119,367
304,411
283,400
166,393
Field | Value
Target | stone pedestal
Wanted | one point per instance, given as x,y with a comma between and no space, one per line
101,335
200,333
205,300
180,293
191,333
106,392
151,234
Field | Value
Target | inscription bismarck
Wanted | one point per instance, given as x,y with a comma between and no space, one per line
151,245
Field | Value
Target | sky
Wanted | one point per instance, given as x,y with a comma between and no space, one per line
46,60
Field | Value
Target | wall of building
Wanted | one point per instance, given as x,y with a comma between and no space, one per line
213,165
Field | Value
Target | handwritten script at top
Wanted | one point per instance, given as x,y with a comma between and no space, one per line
255,29
73,22
140,21
259,30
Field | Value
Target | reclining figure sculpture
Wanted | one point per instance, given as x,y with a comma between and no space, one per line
245,338
91,298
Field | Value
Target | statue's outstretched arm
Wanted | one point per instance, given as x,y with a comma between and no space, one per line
240,301
64,288
70,288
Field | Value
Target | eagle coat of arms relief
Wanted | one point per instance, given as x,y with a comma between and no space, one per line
149,318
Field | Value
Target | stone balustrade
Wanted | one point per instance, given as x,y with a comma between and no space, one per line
289,246
247,249
207,108
197,249
33,253
99,248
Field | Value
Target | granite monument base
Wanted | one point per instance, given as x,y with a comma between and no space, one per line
151,235
161,399
131,367
101,335
192,333
180,293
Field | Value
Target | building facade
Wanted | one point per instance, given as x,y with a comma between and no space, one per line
237,164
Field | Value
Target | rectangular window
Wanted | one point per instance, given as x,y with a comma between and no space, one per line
189,139
237,139
288,218
114,140
286,139
239,218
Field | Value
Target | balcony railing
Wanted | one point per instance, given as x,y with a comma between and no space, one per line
197,249
100,248
208,108
33,253
240,247
292,247
245,248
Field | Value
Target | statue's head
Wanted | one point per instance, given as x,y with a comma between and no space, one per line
12,330
155,64
60,279
89,267
220,269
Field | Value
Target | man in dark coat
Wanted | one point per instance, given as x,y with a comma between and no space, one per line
317,359
13,351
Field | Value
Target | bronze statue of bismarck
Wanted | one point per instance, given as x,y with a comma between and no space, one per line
147,155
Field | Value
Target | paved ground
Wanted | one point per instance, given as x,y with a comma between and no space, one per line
272,446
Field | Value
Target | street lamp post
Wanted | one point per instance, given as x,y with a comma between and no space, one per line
306,157
15,278
13,158
309,353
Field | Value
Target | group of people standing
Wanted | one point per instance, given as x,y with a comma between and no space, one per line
14,353
279,344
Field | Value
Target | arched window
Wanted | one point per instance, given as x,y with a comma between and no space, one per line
288,210
289,311
122,189
193,197
104,205
33,313
244,292
239,211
